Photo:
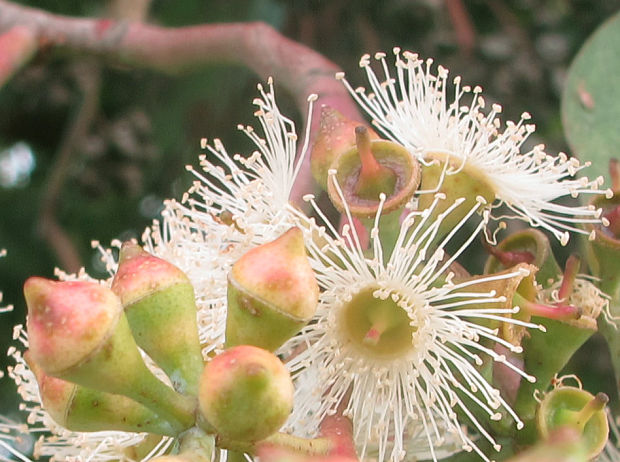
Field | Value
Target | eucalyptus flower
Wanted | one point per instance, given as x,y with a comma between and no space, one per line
398,342
234,205
411,105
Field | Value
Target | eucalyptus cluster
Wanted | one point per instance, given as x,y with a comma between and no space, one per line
351,327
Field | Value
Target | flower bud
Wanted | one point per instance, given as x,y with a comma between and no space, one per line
160,306
575,408
77,331
336,135
246,393
82,409
67,321
272,293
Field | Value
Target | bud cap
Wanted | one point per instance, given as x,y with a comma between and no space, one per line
68,320
246,393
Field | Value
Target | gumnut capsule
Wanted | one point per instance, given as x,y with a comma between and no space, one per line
272,293
525,246
336,135
160,306
542,358
576,408
369,169
77,331
246,393
83,409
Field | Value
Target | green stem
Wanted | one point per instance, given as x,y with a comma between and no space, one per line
307,446
196,446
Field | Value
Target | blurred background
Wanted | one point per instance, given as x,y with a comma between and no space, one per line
144,126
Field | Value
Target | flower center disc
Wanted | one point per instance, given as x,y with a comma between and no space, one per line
375,326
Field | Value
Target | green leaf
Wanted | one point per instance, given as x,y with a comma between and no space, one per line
591,99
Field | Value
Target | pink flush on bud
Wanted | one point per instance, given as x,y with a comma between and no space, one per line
279,273
246,393
141,274
67,320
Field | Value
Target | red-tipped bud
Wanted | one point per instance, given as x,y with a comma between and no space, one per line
78,332
68,321
246,393
141,274
160,306
272,293
336,135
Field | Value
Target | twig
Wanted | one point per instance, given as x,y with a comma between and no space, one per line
463,27
17,46
255,45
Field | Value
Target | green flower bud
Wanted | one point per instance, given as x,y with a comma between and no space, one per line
160,306
336,135
272,293
77,331
67,321
246,393
82,409
577,409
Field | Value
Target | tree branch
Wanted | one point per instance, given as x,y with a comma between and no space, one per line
299,69
17,45
256,45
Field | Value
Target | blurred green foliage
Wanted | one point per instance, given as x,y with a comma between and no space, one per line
591,99
148,125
